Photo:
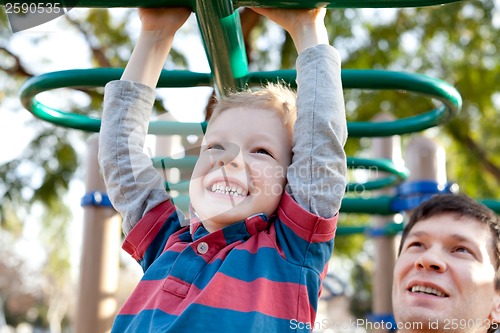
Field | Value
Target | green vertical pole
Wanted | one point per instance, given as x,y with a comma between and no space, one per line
223,39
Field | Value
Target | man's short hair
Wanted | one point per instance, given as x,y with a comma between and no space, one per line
462,206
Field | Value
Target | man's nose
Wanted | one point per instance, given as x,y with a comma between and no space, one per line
431,260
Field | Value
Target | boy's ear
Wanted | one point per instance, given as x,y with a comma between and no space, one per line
495,311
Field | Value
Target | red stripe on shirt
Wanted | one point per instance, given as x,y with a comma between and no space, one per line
306,225
146,229
240,295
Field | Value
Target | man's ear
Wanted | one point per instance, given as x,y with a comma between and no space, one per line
495,311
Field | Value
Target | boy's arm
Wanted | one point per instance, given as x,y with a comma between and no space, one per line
317,175
133,185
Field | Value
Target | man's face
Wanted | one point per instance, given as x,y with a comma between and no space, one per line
242,167
445,275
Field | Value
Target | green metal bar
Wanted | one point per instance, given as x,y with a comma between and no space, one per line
182,186
373,206
379,206
343,3
388,230
351,79
247,3
223,39
492,204
98,77
387,80
399,174
185,163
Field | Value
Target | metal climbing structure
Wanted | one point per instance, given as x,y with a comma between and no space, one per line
221,33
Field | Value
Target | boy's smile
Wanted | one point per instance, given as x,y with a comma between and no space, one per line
242,167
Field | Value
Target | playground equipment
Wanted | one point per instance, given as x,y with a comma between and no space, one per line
221,33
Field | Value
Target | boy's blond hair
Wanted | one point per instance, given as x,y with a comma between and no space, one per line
276,97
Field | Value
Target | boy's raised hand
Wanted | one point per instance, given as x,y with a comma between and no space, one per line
305,26
159,26
164,20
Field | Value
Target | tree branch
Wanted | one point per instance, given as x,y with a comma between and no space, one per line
18,69
476,150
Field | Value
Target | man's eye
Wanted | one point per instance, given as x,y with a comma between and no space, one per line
462,249
263,151
215,146
414,244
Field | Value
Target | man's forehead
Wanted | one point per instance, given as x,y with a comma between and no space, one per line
457,225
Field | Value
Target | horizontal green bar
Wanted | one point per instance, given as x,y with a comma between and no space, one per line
373,206
246,3
492,204
184,163
376,206
388,230
182,186
399,173
342,3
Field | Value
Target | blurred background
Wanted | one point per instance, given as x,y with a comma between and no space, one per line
42,166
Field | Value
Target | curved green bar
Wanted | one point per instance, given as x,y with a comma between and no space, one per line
431,87
399,174
98,77
248,3
351,79
387,80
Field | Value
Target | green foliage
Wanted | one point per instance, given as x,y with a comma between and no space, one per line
455,43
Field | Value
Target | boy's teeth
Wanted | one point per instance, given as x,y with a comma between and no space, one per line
223,189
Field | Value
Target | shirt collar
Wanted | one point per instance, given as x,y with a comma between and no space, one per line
241,230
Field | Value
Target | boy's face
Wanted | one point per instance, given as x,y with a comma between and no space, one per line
446,272
242,167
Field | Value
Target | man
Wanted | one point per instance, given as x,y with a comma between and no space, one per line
447,276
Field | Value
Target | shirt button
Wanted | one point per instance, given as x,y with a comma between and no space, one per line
202,248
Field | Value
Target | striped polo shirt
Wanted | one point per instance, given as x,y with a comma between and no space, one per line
257,275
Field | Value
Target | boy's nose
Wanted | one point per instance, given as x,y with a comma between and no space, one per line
236,163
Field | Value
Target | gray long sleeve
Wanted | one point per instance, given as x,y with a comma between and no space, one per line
134,186
317,175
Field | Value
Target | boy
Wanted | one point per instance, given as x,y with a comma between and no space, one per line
447,276
265,192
